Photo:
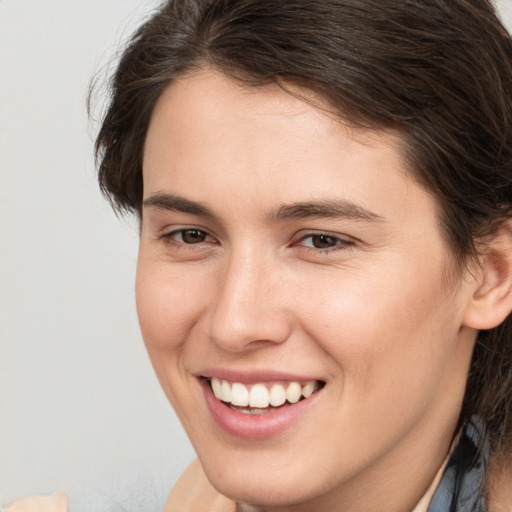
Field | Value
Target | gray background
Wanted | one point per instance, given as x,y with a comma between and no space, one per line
80,409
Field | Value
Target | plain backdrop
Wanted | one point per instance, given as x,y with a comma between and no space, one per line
80,408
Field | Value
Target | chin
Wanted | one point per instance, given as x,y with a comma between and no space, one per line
260,492
263,482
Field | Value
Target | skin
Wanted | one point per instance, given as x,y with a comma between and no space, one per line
499,484
371,312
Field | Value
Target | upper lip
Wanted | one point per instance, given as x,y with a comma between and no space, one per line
255,376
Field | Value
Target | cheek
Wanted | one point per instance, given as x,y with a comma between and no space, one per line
168,304
389,334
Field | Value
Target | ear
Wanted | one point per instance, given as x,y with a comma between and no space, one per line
491,300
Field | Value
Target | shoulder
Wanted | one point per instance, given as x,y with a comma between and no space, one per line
194,493
500,484
57,502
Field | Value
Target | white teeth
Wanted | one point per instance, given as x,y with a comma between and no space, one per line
258,396
217,388
293,392
239,395
250,410
309,389
225,391
277,395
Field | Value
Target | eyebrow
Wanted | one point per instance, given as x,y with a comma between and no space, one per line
176,203
333,208
336,208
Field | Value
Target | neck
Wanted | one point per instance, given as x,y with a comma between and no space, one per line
499,483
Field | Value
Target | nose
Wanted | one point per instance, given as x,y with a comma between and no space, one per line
249,307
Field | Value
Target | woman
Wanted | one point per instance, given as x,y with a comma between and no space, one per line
325,270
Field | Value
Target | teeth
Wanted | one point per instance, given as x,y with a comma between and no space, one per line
309,389
259,396
277,395
225,391
217,388
250,410
239,395
293,392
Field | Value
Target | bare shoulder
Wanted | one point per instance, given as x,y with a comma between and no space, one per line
57,502
500,484
193,492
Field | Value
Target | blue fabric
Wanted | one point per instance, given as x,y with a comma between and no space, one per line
461,486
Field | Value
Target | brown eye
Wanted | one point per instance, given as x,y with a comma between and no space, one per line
323,241
191,236
187,236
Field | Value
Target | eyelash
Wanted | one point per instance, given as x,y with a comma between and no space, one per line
338,243
170,238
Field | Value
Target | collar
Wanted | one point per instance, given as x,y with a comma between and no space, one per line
461,487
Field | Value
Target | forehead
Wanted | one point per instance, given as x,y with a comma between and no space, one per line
207,92
268,145
206,112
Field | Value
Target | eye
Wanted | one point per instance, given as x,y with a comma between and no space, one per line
324,242
187,236
191,236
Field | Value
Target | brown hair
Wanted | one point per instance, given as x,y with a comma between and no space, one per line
438,71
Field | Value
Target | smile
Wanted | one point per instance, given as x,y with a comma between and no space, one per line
261,398
259,405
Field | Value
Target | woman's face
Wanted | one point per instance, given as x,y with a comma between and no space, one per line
281,251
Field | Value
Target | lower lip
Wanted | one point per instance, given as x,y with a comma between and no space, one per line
255,426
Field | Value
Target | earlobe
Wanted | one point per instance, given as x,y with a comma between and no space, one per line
491,300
